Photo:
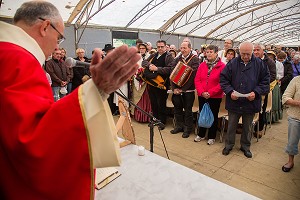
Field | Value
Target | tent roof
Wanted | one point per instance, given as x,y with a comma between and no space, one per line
265,21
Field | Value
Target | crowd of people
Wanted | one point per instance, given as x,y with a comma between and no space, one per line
266,69
251,69
35,143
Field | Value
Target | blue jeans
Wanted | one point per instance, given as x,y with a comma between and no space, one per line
293,136
69,87
56,94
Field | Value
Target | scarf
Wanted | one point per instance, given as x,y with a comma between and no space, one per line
211,64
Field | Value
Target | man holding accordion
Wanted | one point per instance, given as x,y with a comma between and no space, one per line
182,84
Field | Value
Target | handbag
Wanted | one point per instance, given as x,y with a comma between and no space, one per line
206,117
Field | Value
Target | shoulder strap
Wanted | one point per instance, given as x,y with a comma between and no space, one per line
186,62
150,61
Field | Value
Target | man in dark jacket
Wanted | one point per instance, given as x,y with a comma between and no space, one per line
58,73
159,64
287,71
259,52
245,74
184,96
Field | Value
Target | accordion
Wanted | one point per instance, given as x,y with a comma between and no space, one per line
181,74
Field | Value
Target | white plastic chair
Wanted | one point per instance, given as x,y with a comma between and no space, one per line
269,111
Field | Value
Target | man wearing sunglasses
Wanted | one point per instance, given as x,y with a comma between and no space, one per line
49,150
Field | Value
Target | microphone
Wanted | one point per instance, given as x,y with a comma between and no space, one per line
70,62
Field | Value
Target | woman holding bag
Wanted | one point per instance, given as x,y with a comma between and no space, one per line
209,90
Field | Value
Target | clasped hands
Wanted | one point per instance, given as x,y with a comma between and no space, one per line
206,95
177,91
152,67
63,83
115,69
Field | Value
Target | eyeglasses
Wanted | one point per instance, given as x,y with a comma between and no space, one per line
61,36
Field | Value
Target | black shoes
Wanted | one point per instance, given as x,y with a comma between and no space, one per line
225,151
185,135
286,169
247,153
176,130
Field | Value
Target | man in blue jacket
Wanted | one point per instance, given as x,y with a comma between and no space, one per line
245,74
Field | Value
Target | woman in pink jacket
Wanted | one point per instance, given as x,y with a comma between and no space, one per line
208,89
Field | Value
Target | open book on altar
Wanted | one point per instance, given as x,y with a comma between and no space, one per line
105,176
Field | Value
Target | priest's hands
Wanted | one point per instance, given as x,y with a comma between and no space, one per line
115,69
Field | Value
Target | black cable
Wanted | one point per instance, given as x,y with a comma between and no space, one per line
163,143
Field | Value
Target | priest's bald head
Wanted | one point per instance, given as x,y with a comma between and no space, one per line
42,21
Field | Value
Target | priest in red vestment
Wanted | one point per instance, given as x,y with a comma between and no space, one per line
49,150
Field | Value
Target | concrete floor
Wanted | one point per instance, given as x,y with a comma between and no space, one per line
260,176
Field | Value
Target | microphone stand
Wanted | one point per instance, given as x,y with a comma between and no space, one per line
153,121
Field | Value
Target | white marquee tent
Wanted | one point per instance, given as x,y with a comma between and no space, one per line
265,21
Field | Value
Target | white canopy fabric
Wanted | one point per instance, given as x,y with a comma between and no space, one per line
265,21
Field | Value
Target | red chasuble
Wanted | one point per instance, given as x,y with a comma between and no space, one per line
45,147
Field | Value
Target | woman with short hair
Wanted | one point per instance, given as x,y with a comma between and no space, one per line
82,73
207,82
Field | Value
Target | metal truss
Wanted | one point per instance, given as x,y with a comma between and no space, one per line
188,16
279,19
289,39
278,28
196,16
180,14
151,5
87,13
250,22
290,31
76,10
254,23
230,10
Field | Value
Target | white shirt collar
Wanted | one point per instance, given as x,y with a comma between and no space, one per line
187,56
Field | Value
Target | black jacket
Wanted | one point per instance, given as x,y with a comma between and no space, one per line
254,77
78,73
163,71
272,67
287,75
